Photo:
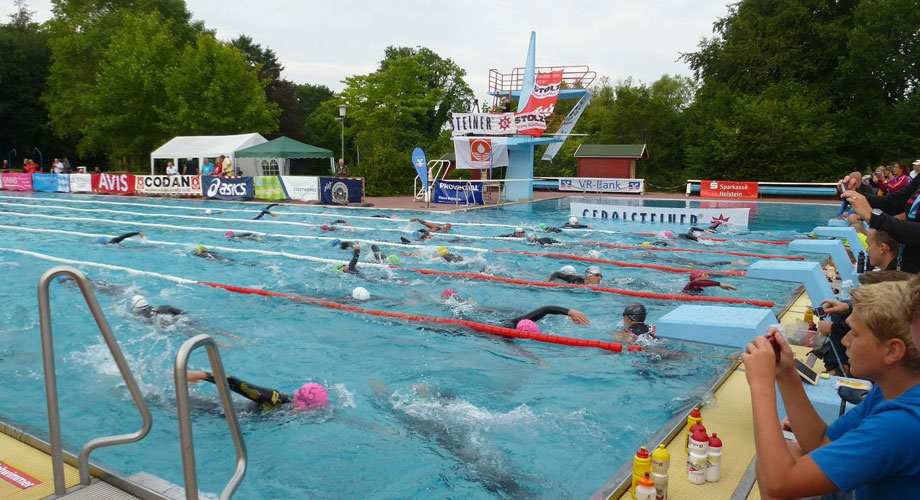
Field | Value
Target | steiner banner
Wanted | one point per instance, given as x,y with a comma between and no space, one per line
17,182
171,185
458,192
268,187
340,191
480,152
81,183
113,183
702,217
728,189
227,188
532,119
482,124
602,185
300,188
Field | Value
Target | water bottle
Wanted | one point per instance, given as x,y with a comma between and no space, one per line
645,488
861,263
714,459
695,417
699,427
845,290
661,461
696,468
642,465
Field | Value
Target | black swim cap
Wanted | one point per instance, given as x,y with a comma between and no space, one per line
635,312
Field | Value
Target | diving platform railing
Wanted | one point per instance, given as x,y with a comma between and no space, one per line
575,81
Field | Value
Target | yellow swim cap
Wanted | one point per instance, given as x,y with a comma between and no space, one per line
646,244
442,251
200,248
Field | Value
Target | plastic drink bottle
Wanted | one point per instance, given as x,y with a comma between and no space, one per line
809,316
695,417
861,263
661,461
661,486
642,465
693,430
645,488
714,459
845,289
696,468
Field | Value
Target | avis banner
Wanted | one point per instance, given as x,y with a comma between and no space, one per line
227,188
48,183
481,152
532,119
81,183
458,192
482,124
17,182
728,189
170,185
268,187
340,191
736,217
300,188
113,183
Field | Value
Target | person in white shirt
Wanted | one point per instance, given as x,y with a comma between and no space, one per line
916,165
57,166
171,169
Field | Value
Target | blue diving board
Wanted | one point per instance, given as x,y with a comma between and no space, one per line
834,248
810,274
720,325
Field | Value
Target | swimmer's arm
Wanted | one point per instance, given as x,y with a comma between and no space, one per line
538,314
353,265
254,393
119,239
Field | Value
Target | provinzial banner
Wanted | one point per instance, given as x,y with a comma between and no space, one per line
227,188
601,185
170,185
339,191
458,192
113,183
268,187
480,152
300,188
17,182
736,217
482,124
48,183
81,183
728,189
532,119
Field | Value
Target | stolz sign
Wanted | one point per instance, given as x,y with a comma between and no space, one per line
176,185
728,189
736,217
227,188
458,192
109,183
601,185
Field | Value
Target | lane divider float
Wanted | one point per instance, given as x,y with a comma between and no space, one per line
694,250
667,269
764,242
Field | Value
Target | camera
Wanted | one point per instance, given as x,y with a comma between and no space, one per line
819,312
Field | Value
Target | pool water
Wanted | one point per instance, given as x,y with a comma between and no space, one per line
418,410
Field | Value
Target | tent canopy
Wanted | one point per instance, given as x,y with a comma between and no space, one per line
284,147
204,146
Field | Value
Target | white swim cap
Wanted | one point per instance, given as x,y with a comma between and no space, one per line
593,270
139,302
519,229
207,211
360,293
568,270
573,220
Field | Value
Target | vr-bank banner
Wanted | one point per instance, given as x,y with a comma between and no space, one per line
17,182
735,217
268,187
227,188
300,188
458,192
339,191
51,183
602,185
81,183
170,185
482,124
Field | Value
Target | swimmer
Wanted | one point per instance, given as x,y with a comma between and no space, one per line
101,286
572,223
695,233
383,258
310,396
360,294
549,229
118,239
443,253
517,233
700,280
230,235
208,211
140,307
527,322
592,276
339,222
434,228
266,211
542,241
204,253
634,320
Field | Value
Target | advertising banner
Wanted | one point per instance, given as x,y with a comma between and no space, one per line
268,187
532,119
602,185
420,162
81,183
481,152
46,183
17,182
570,120
728,189
458,192
113,183
300,188
227,188
701,217
17,477
482,123
339,191
170,185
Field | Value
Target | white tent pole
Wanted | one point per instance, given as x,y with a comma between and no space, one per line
332,164
151,163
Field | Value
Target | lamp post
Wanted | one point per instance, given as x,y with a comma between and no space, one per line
342,109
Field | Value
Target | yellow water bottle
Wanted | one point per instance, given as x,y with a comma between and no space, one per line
661,461
642,465
694,418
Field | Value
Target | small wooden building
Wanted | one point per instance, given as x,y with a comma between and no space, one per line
617,161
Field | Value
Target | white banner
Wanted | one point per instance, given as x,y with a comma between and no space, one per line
81,183
63,183
482,123
301,188
567,126
702,217
172,185
481,152
601,185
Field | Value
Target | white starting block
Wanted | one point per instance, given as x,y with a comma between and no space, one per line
720,325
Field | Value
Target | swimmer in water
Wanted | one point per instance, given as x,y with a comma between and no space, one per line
700,280
233,235
567,274
542,241
572,223
140,307
383,258
118,239
432,227
549,229
204,253
517,233
527,322
310,396
634,315
352,267
101,286
443,253
266,211
208,211
695,233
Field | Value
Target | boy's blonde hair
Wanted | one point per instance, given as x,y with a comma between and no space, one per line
883,307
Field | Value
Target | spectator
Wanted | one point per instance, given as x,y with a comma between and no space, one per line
29,166
341,170
883,250
97,169
57,167
208,167
867,448
6,166
66,163
171,169
226,166
218,167
915,169
505,105
897,180
190,167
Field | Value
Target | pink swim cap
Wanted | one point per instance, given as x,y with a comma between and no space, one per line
325,227
695,275
448,293
228,234
669,234
311,396
525,325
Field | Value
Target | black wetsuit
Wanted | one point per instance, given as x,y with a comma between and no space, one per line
149,311
353,264
338,221
249,236
511,235
267,399
449,257
545,241
209,255
378,255
550,229
404,240
568,278
265,211
536,315
118,239
574,226
693,234
640,329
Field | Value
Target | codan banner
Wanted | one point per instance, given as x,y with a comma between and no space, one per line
728,189
170,185
339,191
481,152
458,192
50,183
532,119
736,217
81,183
300,188
17,182
482,124
227,188
113,183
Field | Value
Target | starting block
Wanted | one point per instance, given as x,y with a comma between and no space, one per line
720,325
807,273
835,249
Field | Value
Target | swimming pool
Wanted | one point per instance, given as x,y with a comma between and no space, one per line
503,420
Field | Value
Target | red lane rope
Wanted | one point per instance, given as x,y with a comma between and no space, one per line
694,250
480,327
765,242
667,269
631,293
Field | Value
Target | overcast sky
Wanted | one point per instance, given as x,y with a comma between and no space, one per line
324,42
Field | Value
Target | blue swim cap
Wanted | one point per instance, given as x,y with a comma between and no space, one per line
416,234
335,242
102,240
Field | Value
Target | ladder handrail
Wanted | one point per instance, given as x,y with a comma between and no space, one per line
185,419
51,397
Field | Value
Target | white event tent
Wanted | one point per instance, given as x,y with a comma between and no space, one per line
208,146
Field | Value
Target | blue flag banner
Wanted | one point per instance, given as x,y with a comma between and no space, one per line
340,191
47,183
458,192
421,166
227,188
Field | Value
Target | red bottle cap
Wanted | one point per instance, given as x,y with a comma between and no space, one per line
695,413
642,453
714,441
697,427
700,436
